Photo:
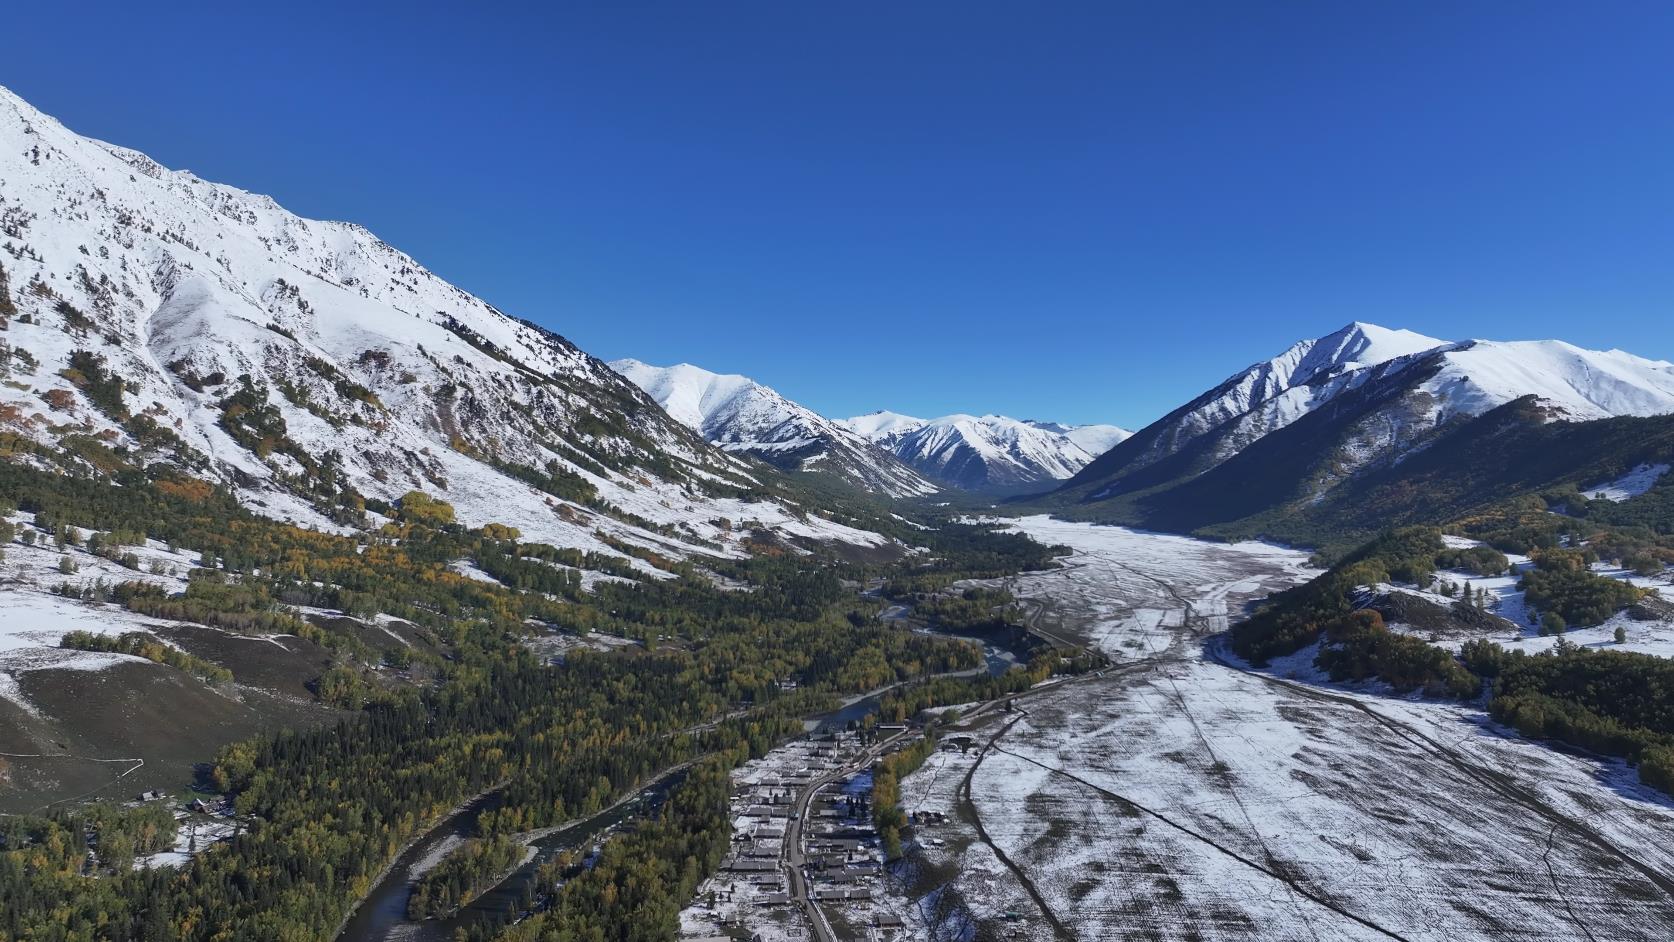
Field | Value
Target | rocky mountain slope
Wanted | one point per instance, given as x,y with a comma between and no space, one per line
740,415
990,451
152,316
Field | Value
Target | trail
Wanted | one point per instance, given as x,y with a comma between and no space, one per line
1497,782
137,763
963,794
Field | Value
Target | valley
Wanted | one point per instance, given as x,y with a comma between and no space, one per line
1183,795
339,605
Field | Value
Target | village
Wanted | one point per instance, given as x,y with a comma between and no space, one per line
806,861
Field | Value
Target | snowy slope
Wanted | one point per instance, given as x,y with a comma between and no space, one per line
1637,481
1580,384
741,415
987,451
1095,440
883,426
303,361
1309,372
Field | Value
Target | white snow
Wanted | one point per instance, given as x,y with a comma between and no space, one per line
1582,384
1180,796
1095,440
883,425
1631,484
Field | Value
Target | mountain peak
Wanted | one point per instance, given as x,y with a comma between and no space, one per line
1357,345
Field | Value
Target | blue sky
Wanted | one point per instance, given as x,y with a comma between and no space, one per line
1085,212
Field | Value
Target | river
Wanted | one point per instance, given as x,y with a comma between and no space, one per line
382,917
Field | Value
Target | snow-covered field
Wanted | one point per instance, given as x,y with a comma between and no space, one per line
1182,797
1506,600
33,619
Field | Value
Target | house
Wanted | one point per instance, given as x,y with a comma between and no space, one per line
888,921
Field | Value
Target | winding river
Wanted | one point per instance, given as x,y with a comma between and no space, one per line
382,916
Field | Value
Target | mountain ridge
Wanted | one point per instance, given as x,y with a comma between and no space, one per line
988,451
740,415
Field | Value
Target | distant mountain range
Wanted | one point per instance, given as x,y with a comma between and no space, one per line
989,451
741,415
884,452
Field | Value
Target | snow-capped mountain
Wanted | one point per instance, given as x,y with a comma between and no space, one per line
1360,398
1264,396
309,363
739,414
990,451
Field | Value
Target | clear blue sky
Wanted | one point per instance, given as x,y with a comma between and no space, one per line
1075,211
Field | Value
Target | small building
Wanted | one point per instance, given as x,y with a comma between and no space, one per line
751,866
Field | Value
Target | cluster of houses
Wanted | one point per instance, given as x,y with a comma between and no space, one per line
841,862
200,823
841,846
